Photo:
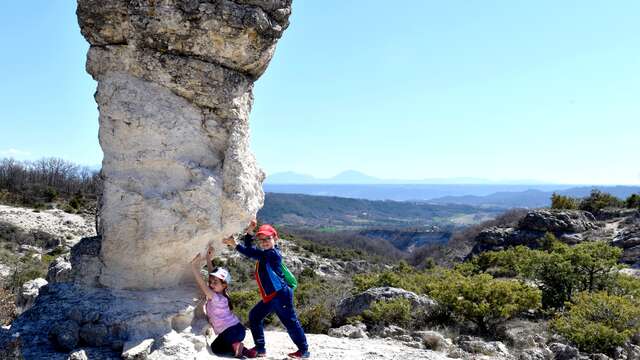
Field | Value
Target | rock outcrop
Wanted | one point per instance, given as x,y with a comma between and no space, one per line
175,82
356,304
567,225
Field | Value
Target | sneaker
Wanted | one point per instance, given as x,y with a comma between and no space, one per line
238,349
253,353
300,355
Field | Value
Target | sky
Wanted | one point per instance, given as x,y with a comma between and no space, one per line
510,89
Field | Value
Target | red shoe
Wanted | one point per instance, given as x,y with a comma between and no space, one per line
238,349
253,353
299,355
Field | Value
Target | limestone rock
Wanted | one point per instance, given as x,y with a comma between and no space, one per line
357,331
59,270
28,294
558,221
137,350
175,82
490,348
355,305
78,355
564,352
629,240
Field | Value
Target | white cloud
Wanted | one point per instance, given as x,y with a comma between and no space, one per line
15,153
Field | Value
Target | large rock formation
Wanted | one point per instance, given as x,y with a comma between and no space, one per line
175,81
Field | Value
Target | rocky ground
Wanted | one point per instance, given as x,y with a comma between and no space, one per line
54,226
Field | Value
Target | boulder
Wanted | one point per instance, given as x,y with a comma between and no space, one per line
137,350
356,304
59,270
28,294
629,240
563,352
78,355
356,331
616,213
558,221
393,331
489,348
536,353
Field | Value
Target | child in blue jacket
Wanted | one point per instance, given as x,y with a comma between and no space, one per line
276,295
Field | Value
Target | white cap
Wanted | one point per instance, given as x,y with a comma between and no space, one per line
222,274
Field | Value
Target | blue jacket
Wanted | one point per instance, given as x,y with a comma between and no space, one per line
268,272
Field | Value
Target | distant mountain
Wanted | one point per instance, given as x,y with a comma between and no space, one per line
404,192
353,177
532,198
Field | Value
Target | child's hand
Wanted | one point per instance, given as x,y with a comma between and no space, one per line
210,252
251,227
196,260
230,241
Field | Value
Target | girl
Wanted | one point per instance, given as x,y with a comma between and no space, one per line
218,308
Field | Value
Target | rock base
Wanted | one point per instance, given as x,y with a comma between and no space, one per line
108,323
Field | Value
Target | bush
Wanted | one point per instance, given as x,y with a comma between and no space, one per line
599,200
599,322
481,299
559,270
243,301
384,313
316,319
564,202
633,201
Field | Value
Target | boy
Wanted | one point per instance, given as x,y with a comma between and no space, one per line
276,295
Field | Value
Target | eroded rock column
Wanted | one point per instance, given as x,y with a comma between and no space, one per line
175,81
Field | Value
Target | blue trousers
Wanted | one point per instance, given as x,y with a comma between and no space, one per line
282,305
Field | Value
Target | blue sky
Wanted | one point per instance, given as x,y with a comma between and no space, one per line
541,90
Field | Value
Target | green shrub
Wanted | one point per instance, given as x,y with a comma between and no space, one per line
481,299
243,301
598,322
559,270
633,201
599,200
564,202
315,319
50,194
384,313
75,203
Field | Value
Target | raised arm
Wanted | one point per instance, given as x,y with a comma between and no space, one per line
195,263
210,254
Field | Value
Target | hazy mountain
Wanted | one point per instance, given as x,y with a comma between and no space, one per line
354,177
532,198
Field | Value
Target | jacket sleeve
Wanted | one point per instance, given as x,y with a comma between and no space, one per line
251,252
